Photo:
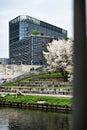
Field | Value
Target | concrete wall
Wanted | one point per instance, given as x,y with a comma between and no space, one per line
11,71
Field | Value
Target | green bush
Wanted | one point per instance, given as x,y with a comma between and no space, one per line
35,32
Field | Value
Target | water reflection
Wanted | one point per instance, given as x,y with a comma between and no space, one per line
21,119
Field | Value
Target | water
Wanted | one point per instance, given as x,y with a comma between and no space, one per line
24,119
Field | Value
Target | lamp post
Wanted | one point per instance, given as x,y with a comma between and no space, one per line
79,108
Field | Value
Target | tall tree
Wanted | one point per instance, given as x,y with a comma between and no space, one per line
59,55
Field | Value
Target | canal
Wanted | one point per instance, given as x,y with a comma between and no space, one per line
25,119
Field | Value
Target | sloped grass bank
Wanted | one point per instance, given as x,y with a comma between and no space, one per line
43,77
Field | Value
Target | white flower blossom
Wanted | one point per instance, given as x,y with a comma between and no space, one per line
59,54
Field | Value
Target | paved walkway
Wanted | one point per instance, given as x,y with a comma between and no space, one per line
36,94
54,95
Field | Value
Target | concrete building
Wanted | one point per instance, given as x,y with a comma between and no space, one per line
26,48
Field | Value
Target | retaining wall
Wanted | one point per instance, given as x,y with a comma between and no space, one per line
43,107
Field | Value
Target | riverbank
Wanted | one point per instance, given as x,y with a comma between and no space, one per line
45,103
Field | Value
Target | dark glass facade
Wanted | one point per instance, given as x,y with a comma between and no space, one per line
27,48
4,60
29,51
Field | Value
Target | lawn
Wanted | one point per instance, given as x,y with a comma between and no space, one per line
60,101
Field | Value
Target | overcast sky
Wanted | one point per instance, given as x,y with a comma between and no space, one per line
56,12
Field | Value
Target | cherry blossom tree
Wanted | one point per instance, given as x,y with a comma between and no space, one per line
59,55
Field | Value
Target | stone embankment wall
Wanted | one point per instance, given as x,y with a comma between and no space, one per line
57,91
44,107
44,83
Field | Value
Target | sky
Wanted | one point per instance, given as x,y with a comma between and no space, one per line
55,12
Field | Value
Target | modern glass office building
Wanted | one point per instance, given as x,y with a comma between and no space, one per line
29,51
4,60
25,47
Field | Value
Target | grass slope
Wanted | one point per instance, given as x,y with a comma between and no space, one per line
60,101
